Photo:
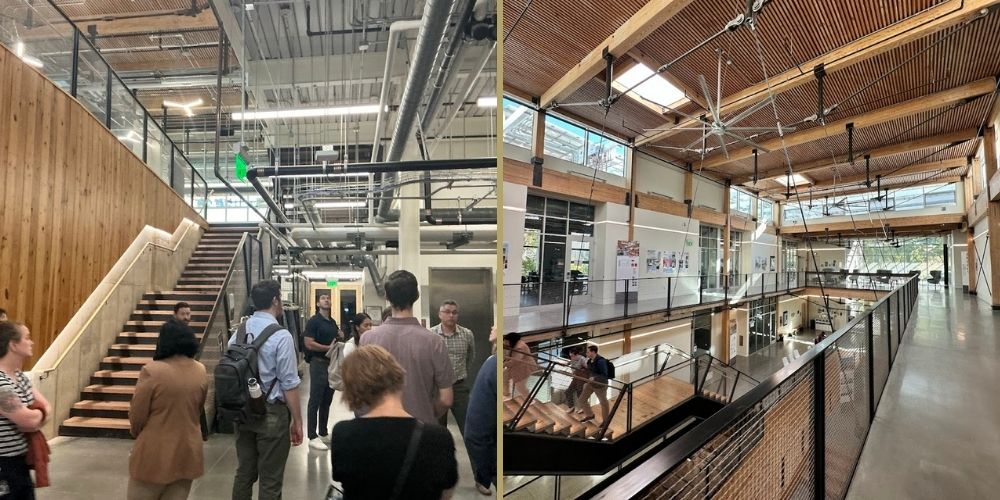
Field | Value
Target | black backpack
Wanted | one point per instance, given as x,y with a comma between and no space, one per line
237,366
611,368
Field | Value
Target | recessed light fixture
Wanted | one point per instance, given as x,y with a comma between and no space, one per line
308,112
656,89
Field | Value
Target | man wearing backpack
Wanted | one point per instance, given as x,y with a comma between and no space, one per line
600,372
262,444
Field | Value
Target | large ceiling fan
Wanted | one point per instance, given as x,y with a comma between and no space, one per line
723,130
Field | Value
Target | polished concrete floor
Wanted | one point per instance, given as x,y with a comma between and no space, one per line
937,428
768,360
96,468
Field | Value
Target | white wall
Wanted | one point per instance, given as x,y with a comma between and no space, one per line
515,198
836,256
797,312
708,193
658,177
666,233
610,225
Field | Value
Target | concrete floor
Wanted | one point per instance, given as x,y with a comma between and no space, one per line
97,468
766,361
937,429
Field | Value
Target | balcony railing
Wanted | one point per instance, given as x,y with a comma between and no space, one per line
43,37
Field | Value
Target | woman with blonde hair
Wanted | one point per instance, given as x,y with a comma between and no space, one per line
387,453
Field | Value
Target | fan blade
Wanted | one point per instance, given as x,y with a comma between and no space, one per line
668,108
761,129
749,111
760,148
724,148
708,97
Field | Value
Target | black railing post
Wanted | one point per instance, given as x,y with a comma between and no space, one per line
565,306
725,288
172,185
888,328
607,422
732,392
145,135
701,288
819,425
192,184
75,68
628,423
871,365
626,298
670,293
107,104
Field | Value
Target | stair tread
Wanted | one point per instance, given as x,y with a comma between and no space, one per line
90,404
117,374
101,422
126,360
111,389
146,335
171,303
135,347
139,322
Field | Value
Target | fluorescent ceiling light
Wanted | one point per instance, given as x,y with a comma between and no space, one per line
487,102
308,112
132,136
249,6
29,60
797,179
186,107
339,204
656,89
344,275
289,205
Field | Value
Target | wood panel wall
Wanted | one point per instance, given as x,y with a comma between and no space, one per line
73,199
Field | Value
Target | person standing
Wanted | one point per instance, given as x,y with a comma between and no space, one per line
165,418
597,365
262,445
3,315
321,333
518,365
480,433
578,365
360,324
427,393
182,312
16,417
461,345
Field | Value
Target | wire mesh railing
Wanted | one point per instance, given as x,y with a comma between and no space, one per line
798,434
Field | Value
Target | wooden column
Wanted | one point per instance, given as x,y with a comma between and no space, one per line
971,255
633,174
977,181
990,150
538,135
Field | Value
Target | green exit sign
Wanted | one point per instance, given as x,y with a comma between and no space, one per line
241,167
331,283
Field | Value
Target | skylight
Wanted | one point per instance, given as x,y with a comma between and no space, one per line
656,89
798,179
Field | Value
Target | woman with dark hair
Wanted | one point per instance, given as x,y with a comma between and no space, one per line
359,324
165,416
388,454
518,364
19,410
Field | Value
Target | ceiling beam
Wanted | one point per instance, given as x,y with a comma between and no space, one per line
898,223
932,179
156,22
648,19
928,22
890,150
933,166
893,112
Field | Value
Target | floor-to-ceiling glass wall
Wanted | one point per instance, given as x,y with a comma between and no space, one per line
556,257
709,242
763,326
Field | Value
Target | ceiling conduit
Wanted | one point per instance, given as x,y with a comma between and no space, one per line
433,24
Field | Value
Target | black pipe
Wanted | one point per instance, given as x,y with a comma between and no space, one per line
375,167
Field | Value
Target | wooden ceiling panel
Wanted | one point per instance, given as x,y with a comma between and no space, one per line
553,36
626,119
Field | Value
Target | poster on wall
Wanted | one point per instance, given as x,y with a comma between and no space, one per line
628,266
673,262
733,338
771,265
652,261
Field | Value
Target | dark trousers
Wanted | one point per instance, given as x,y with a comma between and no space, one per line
320,397
15,479
483,456
261,452
459,406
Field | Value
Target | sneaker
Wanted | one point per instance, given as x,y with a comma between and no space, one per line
485,490
325,438
318,444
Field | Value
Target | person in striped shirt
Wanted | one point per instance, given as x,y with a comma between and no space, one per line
16,418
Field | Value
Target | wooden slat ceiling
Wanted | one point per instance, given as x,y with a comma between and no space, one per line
551,39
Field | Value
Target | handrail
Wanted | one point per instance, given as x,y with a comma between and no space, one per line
149,244
687,445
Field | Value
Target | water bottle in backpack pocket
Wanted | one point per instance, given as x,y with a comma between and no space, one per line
236,374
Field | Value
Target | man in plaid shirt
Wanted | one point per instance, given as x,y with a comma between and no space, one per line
461,346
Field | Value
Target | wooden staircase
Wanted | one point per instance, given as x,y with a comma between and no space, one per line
104,404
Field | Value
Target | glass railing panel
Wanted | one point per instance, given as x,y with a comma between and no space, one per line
156,144
92,79
181,176
126,117
41,37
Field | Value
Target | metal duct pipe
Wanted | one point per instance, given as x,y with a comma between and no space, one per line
374,167
376,275
390,233
433,24
394,30
445,75
469,83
